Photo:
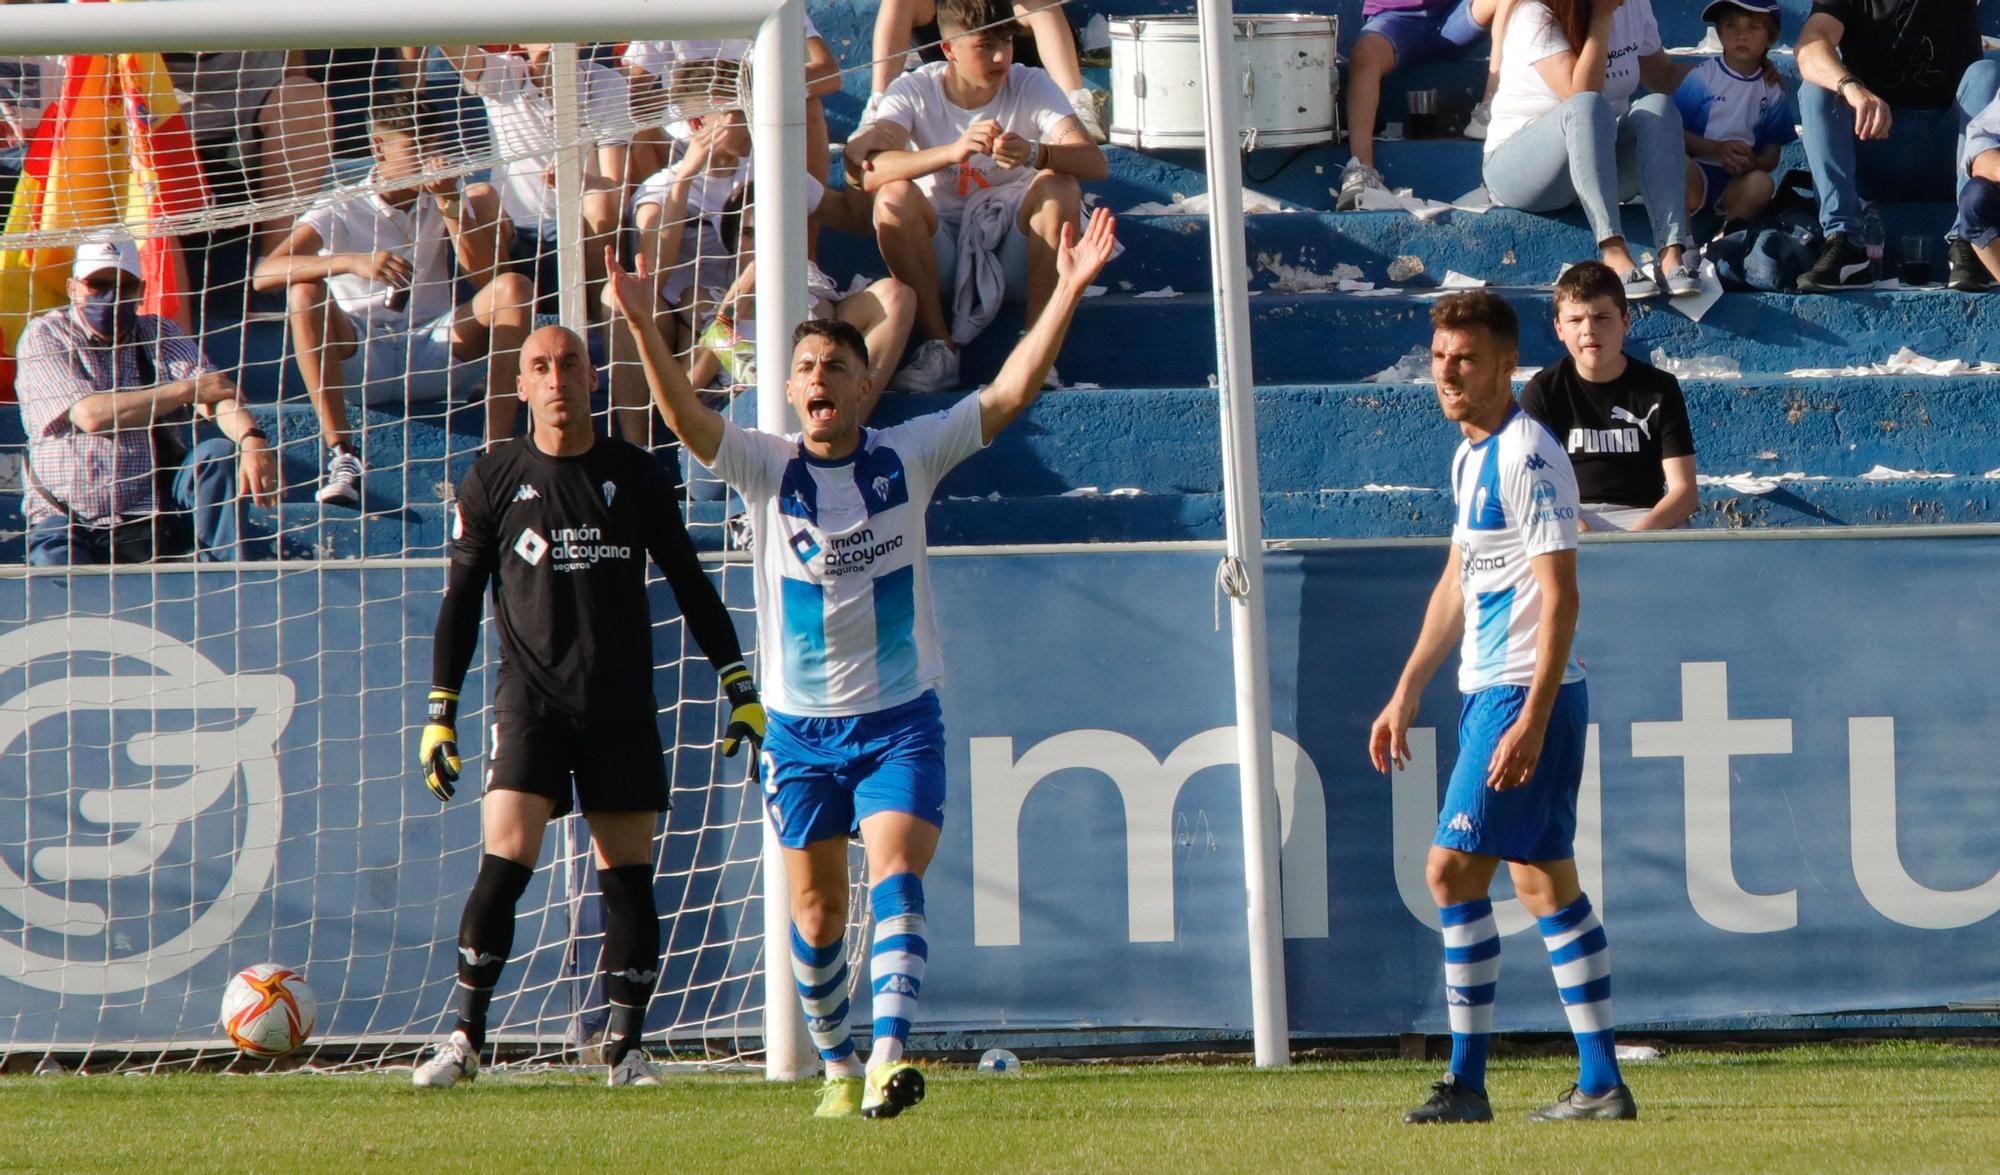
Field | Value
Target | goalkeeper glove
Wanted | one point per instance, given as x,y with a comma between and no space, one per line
746,713
438,753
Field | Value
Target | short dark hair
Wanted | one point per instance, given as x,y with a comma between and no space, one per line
843,334
958,17
394,113
1587,281
1479,308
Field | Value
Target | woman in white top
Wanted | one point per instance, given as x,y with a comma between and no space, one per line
1565,129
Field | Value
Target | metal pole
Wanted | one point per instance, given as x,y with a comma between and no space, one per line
565,91
778,138
1242,572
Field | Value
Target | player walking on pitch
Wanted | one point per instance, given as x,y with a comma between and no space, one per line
1509,590
844,614
561,521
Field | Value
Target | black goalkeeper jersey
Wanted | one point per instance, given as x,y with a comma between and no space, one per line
564,541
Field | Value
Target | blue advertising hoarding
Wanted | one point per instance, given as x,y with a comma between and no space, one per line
1788,804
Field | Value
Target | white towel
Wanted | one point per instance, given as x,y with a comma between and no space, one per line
981,283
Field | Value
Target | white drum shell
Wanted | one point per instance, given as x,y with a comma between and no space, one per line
1284,66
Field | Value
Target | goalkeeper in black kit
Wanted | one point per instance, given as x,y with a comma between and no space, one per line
561,523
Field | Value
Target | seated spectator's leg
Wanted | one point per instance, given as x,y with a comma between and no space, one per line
295,149
1651,151
905,222
1372,59
647,154
883,313
1054,199
495,324
847,210
1979,210
1567,156
819,148
1747,194
894,22
1976,91
54,542
1696,188
324,337
1053,40
205,486
602,207
486,228
1826,124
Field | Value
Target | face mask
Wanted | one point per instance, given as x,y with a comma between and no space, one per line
108,316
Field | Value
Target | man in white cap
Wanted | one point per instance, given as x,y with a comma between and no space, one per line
104,389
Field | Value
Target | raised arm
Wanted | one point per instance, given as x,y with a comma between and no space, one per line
697,425
1570,74
1444,625
1078,262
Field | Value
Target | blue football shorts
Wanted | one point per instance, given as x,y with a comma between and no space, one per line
1533,822
823,776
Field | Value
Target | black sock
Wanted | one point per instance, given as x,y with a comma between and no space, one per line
630,960
485,936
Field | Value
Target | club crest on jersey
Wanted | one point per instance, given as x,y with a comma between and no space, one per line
881,484
531,546
804,547
610,492
526,493
457,522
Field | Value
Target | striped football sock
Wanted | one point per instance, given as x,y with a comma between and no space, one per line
1581,960
821,974
1471,972
898,963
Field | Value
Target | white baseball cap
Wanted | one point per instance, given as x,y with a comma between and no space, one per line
106,253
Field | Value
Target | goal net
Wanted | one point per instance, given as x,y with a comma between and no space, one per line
209,765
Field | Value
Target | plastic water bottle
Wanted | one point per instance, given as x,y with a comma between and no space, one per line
1873,236
1000,1062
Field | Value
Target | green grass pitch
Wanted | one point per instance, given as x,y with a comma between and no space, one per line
1877,1107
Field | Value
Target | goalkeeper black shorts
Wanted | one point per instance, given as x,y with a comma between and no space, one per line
596,767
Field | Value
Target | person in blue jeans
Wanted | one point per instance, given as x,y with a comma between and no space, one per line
1887,88
1566,129
1400,33
1979,193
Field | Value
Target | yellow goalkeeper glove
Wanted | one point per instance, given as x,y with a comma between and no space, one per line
438,752
746,713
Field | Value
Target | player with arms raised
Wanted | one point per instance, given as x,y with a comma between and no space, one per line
852,662
561,521
1509,589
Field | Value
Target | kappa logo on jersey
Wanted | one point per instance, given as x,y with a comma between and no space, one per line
1536,461
526,493
1460,823
610,492
531,546
804,547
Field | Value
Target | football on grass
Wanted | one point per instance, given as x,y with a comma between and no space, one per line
268,1010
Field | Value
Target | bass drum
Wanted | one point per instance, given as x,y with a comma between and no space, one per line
1286,66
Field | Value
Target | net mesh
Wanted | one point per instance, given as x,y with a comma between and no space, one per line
208,767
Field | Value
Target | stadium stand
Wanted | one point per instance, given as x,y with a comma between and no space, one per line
1341,456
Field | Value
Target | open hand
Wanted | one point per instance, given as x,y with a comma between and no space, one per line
1079,261
630,292
1514,759
257,471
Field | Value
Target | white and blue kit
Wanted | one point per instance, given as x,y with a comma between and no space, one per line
1515,499
851,660
1718,103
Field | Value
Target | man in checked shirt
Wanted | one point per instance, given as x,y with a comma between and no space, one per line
96,380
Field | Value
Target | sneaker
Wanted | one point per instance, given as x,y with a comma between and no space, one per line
452,1061
839,1097
1968,272
1450,1102
890,1089
1680,281
1614,1103
933,367
634,1068
1482,114
1089,113
342,485
1842,265
1356,178
1638,285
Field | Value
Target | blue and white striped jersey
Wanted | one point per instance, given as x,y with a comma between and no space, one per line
844,619
1515,498
1718,103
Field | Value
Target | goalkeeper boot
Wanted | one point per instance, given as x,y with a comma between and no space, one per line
634,1068
839,1097
1451,1102
1614,1103
891,1089
452,1061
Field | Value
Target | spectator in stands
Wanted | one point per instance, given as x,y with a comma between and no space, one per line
514,85
1736,115
1886,89
1622,421
1565,129
975,129
27,86
678,212
1979,195
373,301
898,21
668,73
262,126
1400,33
111,476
